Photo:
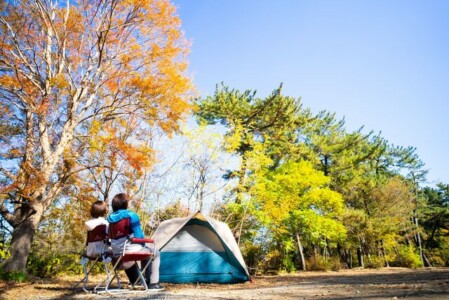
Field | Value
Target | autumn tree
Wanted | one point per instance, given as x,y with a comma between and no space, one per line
71,72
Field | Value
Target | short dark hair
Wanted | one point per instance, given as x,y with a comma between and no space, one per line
98,209
120,201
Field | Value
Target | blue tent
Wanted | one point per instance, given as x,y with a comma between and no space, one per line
199,249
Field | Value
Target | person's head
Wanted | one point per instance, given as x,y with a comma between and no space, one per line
98,209
120,201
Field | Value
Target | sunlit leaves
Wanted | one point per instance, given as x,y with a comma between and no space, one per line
87,81
69,67
392,207
295,198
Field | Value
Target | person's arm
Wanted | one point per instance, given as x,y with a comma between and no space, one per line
136,227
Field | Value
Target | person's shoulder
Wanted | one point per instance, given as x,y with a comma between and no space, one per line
92,223
115,216
122,214
102,220
131,213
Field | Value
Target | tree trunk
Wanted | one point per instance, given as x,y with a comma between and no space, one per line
415,221
384,255
427,263
22,238
435,226
350,259
418,237
301,252
341,253
360,257
241,189
345,256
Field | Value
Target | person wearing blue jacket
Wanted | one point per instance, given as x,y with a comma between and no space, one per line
120,211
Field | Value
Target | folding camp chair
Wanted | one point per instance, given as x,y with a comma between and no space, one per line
99,236
122,252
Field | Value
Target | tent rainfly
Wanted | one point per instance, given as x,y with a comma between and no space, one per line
199,249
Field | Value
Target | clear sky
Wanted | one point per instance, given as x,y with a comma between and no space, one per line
380,64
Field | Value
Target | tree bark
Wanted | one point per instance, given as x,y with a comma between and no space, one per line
22,238
415,221
241,185
427,263
360,257
345,256
301,252
384,255
349,254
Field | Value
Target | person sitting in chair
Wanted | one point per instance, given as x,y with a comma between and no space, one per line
120,211
98,211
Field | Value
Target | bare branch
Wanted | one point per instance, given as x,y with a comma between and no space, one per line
6,214
8,173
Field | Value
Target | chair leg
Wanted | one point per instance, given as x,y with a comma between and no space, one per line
82,280
86,271
86,275
147,265
109,281
108,274
143,270
106,282
141,279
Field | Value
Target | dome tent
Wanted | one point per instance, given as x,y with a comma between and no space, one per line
199,249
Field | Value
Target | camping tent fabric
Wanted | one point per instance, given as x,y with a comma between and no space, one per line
199,249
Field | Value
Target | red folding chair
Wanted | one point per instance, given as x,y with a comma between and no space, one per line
98,237
121,240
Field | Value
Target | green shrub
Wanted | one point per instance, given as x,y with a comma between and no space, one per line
437,260
320,263
252,255
63,263
375,262
335,263
9,276
43,266
272,261
12,276
288,264
439,257
4,253
407,257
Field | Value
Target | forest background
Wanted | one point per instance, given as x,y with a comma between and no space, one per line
93,97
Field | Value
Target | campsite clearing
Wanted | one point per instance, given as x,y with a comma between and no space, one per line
387,283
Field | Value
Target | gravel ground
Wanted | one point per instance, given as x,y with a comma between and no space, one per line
387,283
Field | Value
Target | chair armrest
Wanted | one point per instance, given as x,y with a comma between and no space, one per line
141,241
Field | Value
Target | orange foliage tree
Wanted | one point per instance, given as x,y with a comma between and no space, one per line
77,78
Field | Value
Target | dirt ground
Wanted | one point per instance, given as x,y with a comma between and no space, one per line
387,283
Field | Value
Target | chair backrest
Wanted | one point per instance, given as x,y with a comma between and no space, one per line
97,234
118,234
96,241
119,229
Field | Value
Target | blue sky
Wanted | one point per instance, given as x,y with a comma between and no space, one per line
380,64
